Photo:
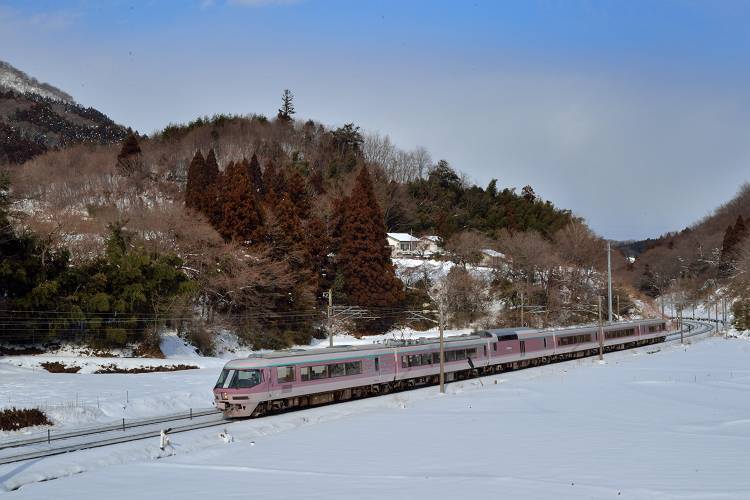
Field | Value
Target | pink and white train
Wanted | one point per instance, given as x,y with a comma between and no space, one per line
306,377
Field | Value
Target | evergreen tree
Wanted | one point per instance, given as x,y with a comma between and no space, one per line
196,182
241,217
319,247
364,260
129,159
274,183
256,177
297,191
287,107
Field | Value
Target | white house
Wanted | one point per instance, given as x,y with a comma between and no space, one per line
429,245
402,244
492,258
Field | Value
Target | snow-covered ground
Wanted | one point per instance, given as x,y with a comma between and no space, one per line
671,424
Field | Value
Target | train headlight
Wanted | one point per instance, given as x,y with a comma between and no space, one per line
224,396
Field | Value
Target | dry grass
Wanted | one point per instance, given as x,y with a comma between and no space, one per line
13,419
21,351
144,369
57,367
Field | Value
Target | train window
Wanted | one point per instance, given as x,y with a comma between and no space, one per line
450,355
377,364
244,379
470,353
485,351
523,347
337,370
318,372
285,374
426,359
304,373
404,361
494,347
435,358
545,342
573,339
225,374
414,360
619,333
354,368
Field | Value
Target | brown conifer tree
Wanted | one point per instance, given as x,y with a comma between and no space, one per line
256,177
195,182
364,260
129,159
297,190
241,217
319,247
274,182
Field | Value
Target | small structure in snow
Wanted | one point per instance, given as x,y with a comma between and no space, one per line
402,244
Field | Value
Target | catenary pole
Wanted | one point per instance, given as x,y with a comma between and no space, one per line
609,281
330,311
601,331
442,349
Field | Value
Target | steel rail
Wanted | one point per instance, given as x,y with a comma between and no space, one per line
106,442
109,428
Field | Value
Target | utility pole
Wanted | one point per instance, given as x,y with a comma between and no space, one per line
618,308
330,311
601,331
717,315
609,281
441,328
522,310
679,322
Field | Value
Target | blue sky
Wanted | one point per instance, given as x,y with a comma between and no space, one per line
633,114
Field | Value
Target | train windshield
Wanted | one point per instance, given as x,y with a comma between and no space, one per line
239,379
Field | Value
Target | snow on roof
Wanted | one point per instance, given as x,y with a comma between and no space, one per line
434,239
402,237
493,253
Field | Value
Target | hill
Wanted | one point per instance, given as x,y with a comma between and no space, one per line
37,117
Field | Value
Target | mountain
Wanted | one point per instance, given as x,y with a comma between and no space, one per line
36,117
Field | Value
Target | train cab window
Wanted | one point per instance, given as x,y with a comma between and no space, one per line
377,364
244,379
285,374
225,378
337,370
353,368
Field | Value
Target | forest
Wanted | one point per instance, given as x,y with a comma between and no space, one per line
246,223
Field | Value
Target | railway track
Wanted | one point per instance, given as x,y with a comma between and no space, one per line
96,437
198,419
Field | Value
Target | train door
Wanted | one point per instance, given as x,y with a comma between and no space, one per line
523,348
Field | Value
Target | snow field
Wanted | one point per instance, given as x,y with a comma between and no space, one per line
673,424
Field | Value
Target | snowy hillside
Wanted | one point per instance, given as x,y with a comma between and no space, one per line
18,81
646,424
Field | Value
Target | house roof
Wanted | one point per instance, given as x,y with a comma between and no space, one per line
493,253
434,239
405,237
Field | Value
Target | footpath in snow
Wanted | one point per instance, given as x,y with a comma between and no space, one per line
673,424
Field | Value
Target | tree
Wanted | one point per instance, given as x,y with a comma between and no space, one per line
130,159
528,194
196,182
287,107
256,177
298,195
241,217
364,260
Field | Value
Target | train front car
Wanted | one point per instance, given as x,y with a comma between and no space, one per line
242,385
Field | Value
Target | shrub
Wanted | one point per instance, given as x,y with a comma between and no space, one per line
57,367
13,419
144,369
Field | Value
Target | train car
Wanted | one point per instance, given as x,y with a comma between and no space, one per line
307,377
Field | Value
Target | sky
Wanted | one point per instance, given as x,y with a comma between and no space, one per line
634,114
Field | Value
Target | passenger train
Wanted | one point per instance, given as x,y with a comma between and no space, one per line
299,378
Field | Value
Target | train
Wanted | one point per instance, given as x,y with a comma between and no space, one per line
298,378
